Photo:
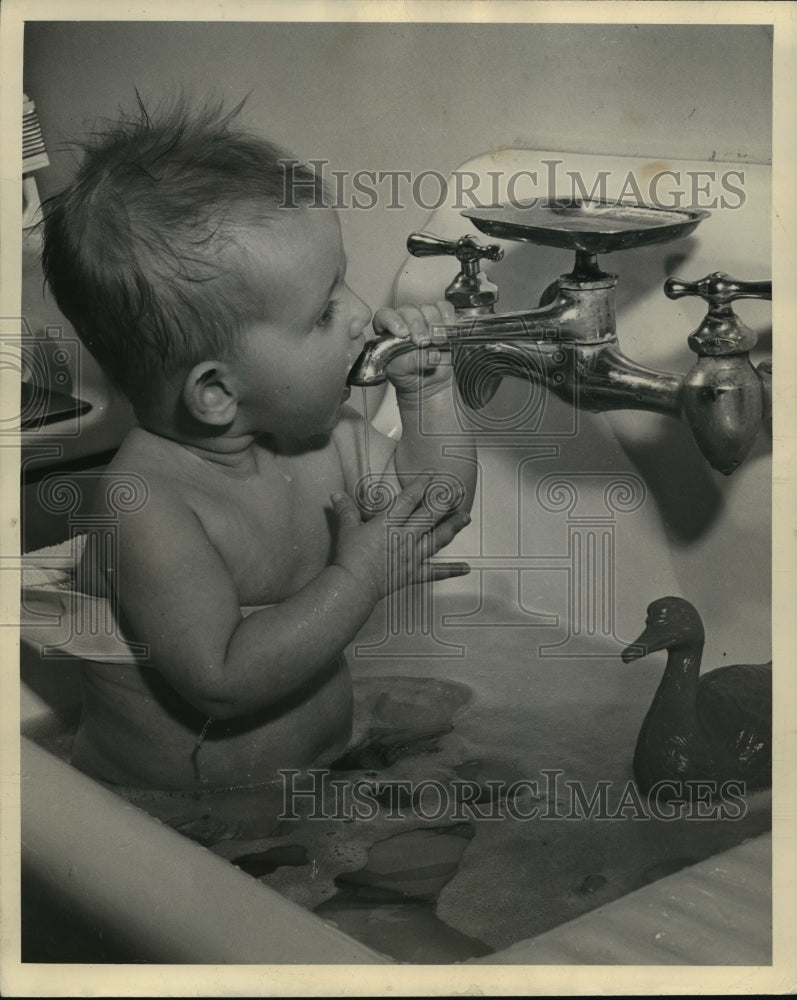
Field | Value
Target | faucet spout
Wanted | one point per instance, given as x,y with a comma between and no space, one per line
569,347
369,368
583,311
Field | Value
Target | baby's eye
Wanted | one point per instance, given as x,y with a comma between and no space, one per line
326,316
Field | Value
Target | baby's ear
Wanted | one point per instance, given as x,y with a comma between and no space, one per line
210,393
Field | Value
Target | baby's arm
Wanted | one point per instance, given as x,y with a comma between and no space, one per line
177,596
433,436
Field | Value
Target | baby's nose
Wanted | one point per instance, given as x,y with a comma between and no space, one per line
361,317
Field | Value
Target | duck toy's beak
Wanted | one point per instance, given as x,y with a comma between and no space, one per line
657,635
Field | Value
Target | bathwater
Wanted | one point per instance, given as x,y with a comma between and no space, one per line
488,797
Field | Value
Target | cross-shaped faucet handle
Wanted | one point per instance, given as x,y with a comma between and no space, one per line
465,249
718,289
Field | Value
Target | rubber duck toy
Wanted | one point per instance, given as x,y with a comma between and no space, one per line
717,727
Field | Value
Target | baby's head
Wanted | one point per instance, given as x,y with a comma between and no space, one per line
155,252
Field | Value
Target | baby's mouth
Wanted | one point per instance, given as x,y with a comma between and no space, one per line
349,373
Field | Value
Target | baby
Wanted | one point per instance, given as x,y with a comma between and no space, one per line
209,281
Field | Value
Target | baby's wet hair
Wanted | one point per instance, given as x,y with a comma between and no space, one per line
145,250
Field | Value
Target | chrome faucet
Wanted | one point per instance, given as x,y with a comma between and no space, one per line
569,343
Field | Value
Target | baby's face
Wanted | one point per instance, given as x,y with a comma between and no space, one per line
294,363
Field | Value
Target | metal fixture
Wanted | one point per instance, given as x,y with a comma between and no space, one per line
570,343
34,157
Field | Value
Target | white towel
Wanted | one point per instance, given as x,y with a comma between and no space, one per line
60,620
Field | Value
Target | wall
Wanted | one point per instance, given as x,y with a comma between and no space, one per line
420,97
695,533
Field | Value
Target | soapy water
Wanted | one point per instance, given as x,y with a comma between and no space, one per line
426,888
378,880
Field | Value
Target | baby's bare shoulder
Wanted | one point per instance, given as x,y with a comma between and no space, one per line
163,467
141,496
148,487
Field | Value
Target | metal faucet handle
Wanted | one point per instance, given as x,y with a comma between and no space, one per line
718,289
465,249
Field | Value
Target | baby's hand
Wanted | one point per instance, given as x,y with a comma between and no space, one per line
425,369
392,550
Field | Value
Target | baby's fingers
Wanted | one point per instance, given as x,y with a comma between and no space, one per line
346,510
432,571
437,316
419,322
387,320
441,499
443,533
409,499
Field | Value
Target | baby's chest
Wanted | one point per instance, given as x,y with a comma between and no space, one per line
276,536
